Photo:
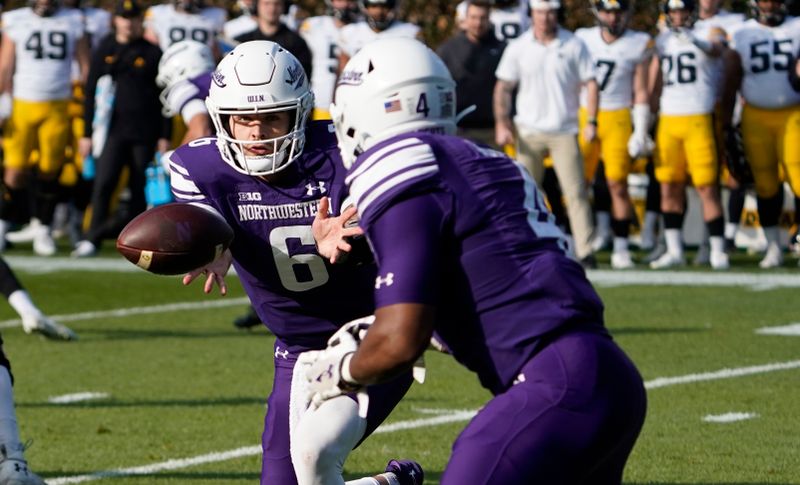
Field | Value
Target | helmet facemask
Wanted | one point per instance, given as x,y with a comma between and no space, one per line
379,24
771,19
284,149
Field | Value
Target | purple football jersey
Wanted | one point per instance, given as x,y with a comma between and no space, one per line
296,293
464,228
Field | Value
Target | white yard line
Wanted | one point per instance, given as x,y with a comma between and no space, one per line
452,417
790,330
728,417
140,310
77,397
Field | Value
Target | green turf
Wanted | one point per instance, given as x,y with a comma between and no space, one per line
183,384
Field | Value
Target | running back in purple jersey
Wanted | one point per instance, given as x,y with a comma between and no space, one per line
296,293
493,261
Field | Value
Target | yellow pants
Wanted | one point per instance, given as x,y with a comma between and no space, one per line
42,124
614,128
771,139
685,145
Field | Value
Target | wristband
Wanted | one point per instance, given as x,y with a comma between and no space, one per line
592,120
348,383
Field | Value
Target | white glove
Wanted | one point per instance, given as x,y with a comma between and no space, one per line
640,144
5,106
328,371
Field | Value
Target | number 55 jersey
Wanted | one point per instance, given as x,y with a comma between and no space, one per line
297,293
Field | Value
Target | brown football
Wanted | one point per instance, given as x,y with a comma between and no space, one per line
174,238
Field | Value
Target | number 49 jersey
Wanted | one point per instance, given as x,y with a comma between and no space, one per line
687,76
616,63
45,48
299,295
172,26
767,54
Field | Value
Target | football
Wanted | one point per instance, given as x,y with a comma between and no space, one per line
175,238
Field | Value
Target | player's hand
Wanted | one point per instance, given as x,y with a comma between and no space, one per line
503,134
330,232
735,159
640,145
324,369
589,132
214,272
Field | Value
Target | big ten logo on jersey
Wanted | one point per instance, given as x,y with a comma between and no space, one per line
249,196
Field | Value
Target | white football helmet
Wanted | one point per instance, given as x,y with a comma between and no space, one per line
391,86
260,77
182,60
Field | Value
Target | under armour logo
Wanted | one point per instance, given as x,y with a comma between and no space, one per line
311,189
412,474
388,281
282,355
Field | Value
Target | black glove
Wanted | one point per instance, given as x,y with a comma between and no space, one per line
734,155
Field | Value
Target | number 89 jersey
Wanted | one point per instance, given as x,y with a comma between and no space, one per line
687,76
172,26
45,48
767,54
299,295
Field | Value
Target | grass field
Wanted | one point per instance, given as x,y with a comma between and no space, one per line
177,394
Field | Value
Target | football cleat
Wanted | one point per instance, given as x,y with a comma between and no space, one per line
48,328
14,469
622,260
602,241
719,260
43,243
773,258
25,234
84,249
407,472
668,260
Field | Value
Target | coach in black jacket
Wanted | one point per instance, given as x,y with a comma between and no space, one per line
136,128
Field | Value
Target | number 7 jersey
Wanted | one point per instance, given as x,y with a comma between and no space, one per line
45,48
300,296
767,54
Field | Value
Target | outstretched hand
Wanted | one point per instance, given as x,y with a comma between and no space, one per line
330,232
215,272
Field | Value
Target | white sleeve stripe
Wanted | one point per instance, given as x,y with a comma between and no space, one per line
185,197
389,166
175,168
380,154
182,184
421,172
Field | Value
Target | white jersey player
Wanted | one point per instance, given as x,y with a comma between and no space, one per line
510,18
765,47
379,21
684,71
621,57
168,23
321,33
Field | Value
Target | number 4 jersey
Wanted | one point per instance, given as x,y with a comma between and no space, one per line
767,55
45,47
300,297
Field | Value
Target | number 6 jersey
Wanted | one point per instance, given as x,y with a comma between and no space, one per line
299,295
45,48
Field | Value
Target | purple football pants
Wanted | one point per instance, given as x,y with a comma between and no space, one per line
276,464
572,421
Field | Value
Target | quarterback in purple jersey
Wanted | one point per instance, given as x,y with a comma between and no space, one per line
265,173
465,247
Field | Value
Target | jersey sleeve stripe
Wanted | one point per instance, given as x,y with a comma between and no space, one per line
378,155
394,184
380,170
